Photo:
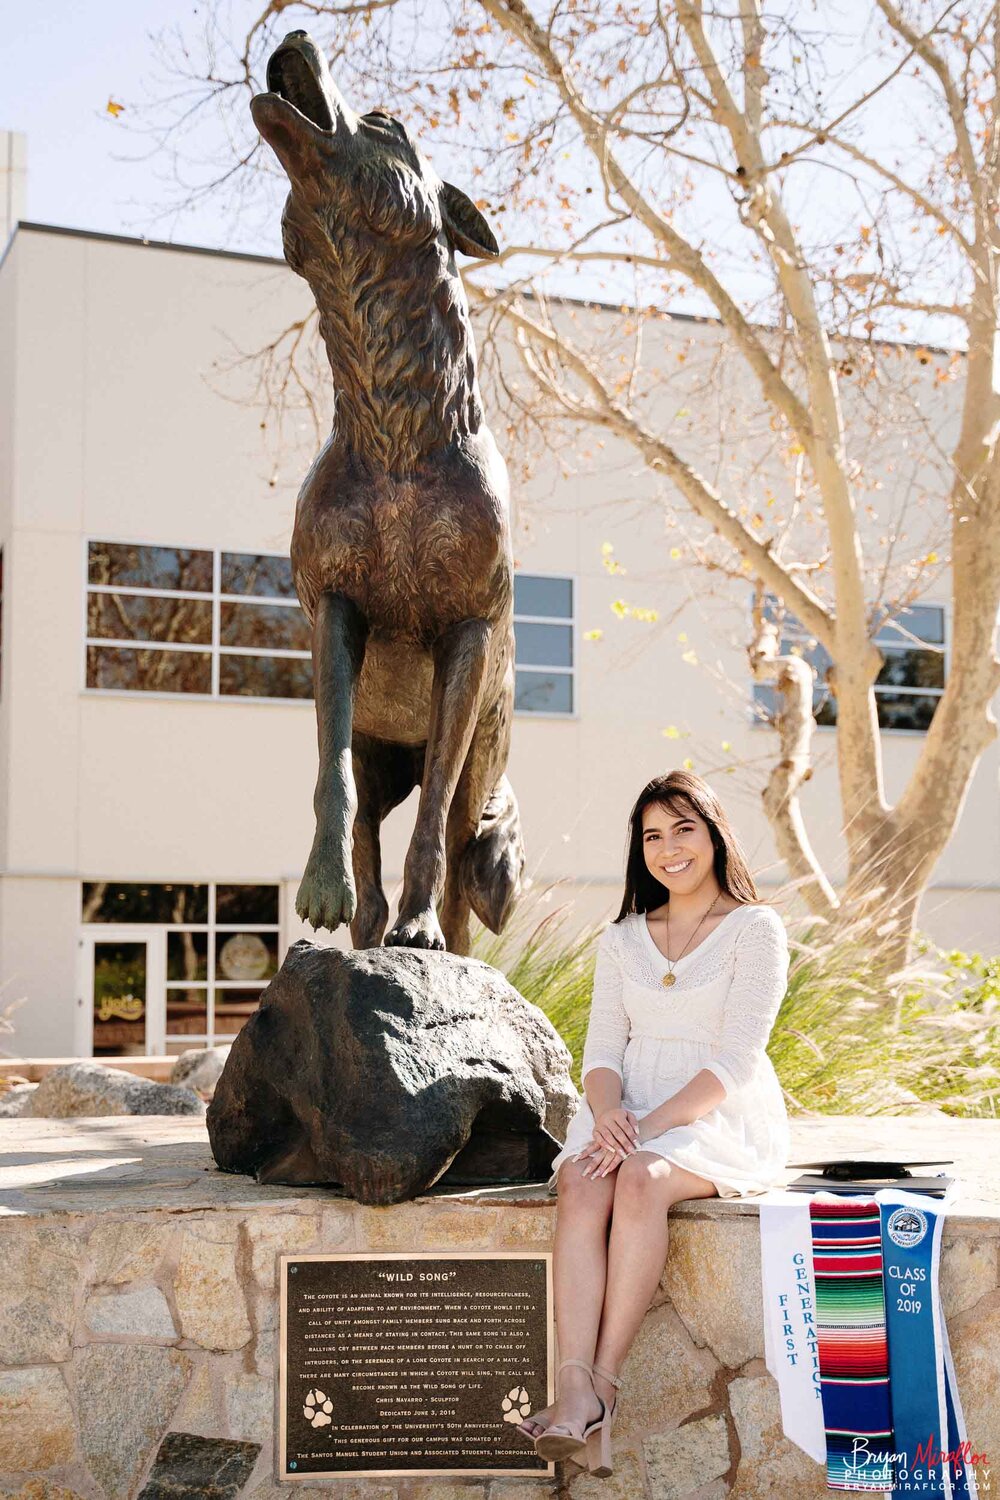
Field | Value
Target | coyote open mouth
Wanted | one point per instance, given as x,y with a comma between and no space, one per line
294,77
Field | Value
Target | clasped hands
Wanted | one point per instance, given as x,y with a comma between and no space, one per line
617,1135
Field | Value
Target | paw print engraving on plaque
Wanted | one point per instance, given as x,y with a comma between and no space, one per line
516,1406
317,1409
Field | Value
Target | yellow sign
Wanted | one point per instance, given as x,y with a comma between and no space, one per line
120,1007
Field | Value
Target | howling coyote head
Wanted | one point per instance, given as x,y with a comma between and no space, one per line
363,168
374,230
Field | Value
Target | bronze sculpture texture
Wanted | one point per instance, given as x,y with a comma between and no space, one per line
401,548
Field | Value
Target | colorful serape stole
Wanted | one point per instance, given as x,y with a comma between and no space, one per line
853,1347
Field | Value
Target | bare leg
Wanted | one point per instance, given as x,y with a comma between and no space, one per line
460,660
645,1187
579,1274
326,895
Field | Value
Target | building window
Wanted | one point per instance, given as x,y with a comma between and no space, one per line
907,688
543,634
185,620
220,952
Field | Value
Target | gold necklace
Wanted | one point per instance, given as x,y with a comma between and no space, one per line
670,977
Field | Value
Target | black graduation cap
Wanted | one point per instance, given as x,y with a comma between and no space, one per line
860,1171
868,1176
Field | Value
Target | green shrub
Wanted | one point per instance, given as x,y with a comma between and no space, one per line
548,965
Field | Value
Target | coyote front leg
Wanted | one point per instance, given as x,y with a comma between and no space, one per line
327,897
461,657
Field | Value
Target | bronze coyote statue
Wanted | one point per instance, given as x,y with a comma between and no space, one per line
401,548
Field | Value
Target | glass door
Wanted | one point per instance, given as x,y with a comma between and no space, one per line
165,967
121,1007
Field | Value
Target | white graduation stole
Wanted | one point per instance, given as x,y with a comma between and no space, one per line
789,1290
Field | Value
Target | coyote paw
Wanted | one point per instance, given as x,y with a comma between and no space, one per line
326,897
420,931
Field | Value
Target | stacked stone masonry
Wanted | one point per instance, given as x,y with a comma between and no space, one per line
138,1329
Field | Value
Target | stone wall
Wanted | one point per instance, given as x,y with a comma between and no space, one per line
138,1338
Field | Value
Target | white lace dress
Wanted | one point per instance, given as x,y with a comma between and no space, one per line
717,1015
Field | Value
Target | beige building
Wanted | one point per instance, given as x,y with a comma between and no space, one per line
157,739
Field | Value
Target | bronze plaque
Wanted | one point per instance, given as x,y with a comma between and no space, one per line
412,1363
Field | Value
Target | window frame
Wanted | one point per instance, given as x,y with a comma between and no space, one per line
757,722
572,622
157,1003
214,650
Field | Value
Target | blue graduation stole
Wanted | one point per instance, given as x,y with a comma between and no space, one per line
927,1420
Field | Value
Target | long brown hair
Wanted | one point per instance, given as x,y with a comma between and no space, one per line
681,792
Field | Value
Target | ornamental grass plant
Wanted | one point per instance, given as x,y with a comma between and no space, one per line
550,961
925,1038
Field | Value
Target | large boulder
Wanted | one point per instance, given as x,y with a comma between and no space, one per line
200,1068
380,1071
88,1088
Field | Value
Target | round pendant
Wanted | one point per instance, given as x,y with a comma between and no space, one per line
668,980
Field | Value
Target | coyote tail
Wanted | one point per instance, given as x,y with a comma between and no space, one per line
493,861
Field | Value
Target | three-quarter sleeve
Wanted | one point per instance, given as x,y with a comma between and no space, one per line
608,1028
757,988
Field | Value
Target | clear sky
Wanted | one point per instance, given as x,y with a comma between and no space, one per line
60,63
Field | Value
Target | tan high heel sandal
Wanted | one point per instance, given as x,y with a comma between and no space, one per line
569,1439
599,1439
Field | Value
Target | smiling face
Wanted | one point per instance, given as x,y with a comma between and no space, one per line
678,849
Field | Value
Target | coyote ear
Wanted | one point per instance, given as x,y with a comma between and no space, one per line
465,225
